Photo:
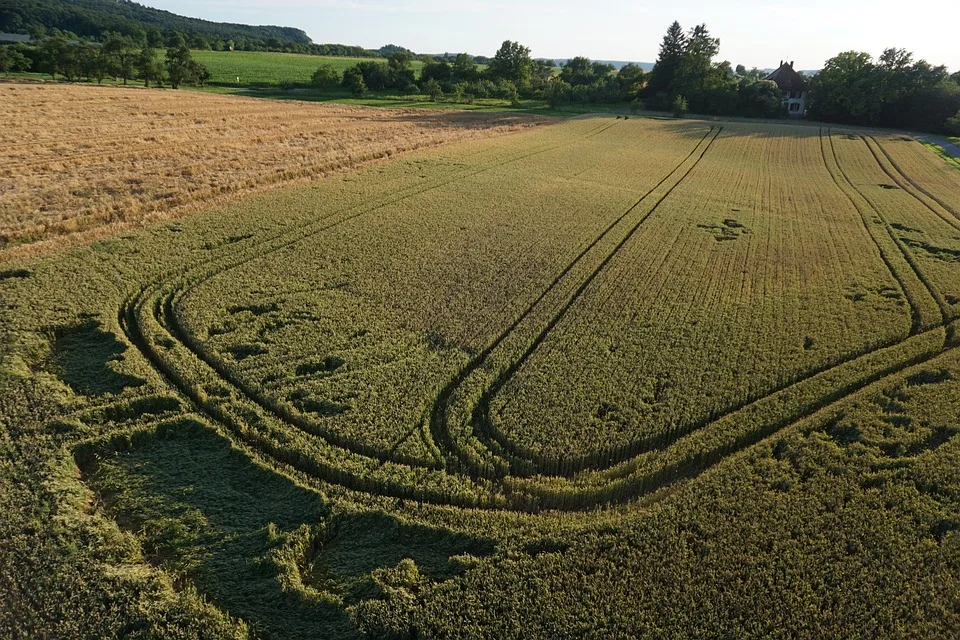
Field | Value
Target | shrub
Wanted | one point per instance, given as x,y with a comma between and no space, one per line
433,89
953,124
680,107
353,81
325,77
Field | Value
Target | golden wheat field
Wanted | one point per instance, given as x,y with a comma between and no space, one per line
79,158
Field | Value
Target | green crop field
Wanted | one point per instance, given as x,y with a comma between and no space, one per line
256,68
604,378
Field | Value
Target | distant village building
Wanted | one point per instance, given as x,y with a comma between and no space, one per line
794,88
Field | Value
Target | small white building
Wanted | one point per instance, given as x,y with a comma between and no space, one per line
794,88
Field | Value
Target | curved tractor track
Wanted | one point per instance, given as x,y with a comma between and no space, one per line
480,470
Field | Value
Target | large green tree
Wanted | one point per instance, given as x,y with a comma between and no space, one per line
894,91
464,69
845,89
672,50
12,59
54,53
512,62
149,68
182,68
582,71
399,69
696,64
121,56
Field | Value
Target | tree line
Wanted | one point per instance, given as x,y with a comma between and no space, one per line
852,88
119,57
96,18
894,91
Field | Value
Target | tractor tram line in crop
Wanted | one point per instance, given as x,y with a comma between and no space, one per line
945,311
156,303
439,414
149,318
916,313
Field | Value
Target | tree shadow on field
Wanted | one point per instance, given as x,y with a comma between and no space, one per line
762,128
474,120
207,514
82,355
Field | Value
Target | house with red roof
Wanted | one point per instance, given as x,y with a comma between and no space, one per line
794,88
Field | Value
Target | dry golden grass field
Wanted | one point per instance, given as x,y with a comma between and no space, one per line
84,158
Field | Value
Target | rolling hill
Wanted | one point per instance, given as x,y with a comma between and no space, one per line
93,18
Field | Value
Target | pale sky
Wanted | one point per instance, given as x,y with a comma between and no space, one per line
752,32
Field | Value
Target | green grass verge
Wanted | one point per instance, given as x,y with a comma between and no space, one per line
931,143
255,68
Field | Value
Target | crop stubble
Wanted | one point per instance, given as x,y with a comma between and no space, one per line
98,159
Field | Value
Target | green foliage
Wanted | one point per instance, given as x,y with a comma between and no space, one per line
512,62
433,89
762,99
464,69
894,91
183,69
581,71
97,18
56,56
669,60
264,69
325,77
354,81
149,67
953,124
437,70
121,55
13,59
680,107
